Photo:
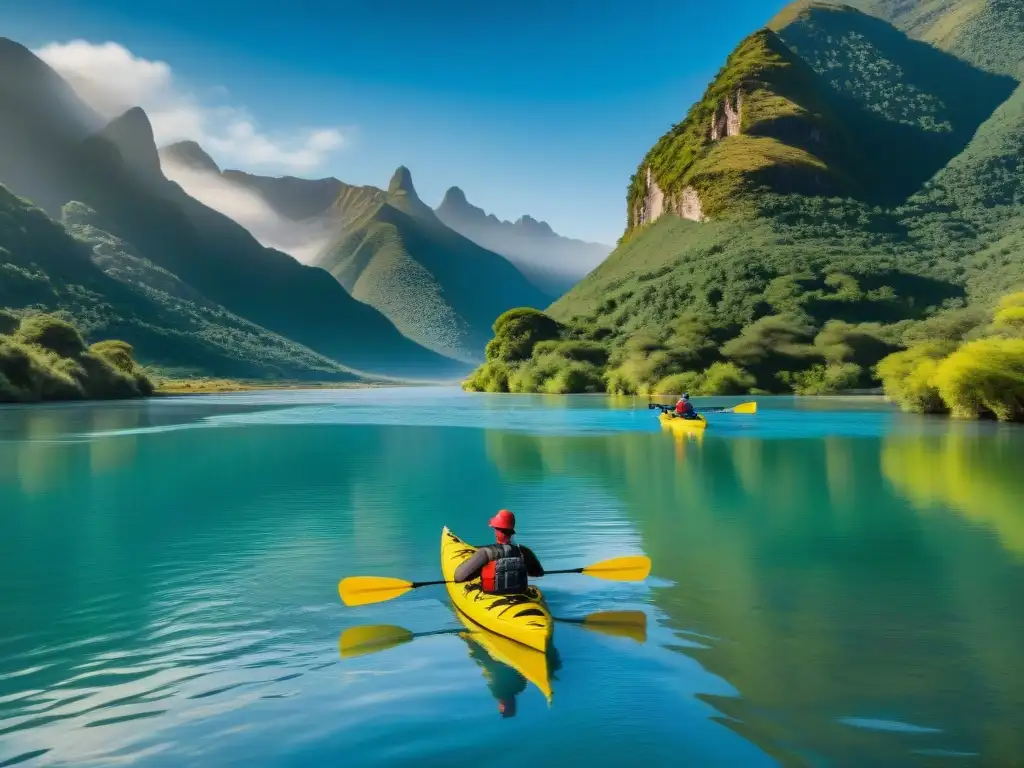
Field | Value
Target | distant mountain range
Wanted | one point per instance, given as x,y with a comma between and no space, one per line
189,287
386,247
164,250
553,263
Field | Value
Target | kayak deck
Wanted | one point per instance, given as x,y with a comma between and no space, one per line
677,422
524,618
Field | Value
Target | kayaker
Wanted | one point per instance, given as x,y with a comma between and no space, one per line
684,408
503,567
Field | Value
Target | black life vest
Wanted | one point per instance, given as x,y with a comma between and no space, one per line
505,575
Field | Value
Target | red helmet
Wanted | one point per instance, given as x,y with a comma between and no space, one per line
504,520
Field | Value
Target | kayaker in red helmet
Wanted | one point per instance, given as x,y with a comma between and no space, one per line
684,408
503,567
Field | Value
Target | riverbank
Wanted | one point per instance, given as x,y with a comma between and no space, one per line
210,386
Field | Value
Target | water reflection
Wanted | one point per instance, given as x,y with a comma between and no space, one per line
842,601
979,477
819,595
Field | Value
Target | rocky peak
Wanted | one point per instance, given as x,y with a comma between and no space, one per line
455,197
132,134
531,226
401,181
190,155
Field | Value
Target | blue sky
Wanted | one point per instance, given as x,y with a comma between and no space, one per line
531,107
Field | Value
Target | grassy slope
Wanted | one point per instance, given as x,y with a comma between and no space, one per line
781,110
110,292
438,288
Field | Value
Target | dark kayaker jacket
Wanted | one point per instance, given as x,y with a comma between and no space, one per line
472,567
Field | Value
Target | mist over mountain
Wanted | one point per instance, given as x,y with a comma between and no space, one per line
228,192
148,245
551,262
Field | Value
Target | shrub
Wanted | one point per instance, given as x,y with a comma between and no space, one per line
52,333
824,379
492,376
984,377
517,331
678,383
864,344
120,355
1009,314
46,359
576,378
580,351
102,381
32,373
726,379
770,345
951,326
907,377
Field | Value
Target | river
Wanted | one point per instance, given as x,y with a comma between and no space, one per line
834,583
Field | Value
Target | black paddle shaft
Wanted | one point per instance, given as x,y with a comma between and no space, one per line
417,584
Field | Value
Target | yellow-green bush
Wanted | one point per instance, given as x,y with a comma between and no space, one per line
824,379
492,376
52,333
121,356
1009,315
576,377
907,377
726,379
984,377
32,373
678,383
45,358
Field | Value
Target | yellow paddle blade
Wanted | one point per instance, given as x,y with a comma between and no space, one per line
356,641
631,624
631,568
362,590
750,407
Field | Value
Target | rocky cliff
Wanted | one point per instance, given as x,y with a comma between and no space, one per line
760,125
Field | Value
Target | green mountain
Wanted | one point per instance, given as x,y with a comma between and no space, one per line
840,189
911,106
112,292
439,288
987,33
390,251
761,125
53,154
550,261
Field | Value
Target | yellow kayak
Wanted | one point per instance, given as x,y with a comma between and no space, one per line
676,422
531,664
523,618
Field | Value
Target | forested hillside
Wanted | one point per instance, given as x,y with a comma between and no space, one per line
841,191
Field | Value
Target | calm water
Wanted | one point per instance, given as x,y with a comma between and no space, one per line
834,583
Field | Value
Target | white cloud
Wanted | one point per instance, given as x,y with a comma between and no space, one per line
111,79
303,240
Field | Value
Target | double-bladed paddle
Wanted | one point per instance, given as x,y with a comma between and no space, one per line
363,590
357,641
750,407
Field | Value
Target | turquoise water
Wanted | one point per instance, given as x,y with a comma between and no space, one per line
833,583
